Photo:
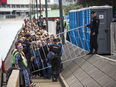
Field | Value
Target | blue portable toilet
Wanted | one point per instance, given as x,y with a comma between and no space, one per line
82,30
70,24
87,29
76,28
72,18
104,13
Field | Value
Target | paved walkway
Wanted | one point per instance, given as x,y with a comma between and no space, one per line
46,83
88,71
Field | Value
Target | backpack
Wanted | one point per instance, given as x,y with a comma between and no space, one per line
37,62
51,55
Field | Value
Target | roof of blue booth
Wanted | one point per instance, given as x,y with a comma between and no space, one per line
92,7
100,7
72,11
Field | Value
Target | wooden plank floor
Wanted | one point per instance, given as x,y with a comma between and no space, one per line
40,82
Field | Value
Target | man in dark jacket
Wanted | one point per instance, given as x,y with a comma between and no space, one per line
94,26
55,63
27,50
43,53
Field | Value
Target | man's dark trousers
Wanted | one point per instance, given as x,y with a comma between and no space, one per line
55,66
93,42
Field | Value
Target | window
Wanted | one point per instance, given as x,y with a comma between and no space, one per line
0,6
43,6
17,6
26,6
8,6
13,6
22,6
3,6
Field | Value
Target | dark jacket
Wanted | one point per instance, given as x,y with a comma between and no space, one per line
94,25
28,55
55,48
43,52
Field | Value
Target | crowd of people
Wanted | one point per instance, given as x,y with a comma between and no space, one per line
32,47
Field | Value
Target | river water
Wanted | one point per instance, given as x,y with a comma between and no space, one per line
8,31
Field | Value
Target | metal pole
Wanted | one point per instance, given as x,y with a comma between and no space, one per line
40,12
46,15
37,7
61,21
32,6
30,11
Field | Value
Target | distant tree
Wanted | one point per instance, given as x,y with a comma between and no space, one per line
55,6
65,8
70,7
85,3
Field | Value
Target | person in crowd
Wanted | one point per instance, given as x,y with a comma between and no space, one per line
64,24
48,42
16,44
43,53
27,50
21,63
55,63
51,39
94,26
36,61
13,52
44,25
114,19
68,33
33,38
57,26
61,52
38,44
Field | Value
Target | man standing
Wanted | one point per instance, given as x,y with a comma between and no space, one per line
67,34
57,26
56,61
94,25
27,50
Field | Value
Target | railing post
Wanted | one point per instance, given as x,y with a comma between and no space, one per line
61,21
46,15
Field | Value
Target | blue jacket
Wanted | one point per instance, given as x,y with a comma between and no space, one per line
60,44
35,53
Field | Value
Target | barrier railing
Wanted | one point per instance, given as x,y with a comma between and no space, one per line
69,37
113,37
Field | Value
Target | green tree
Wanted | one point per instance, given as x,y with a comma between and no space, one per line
65,8
70,7
97,3
55,6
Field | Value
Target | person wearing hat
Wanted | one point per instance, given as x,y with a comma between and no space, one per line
55,63
94,26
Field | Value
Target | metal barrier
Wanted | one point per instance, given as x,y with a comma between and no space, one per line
72,57
113,37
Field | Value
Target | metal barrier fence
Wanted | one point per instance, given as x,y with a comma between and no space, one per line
113,37
68,36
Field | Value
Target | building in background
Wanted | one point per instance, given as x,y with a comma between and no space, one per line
52,15
19,8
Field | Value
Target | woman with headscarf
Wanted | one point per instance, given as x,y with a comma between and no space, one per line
20,62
